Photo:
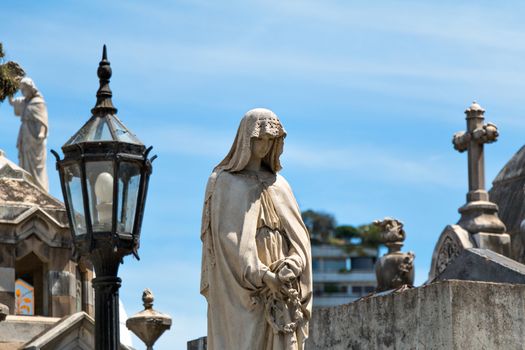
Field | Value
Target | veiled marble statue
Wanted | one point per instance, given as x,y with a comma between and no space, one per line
256,261
31,143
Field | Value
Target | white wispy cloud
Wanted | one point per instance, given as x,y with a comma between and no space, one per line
384,164
367,161
162,54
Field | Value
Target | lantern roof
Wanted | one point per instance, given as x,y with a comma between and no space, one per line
104,125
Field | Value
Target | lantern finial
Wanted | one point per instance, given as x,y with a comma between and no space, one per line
104,104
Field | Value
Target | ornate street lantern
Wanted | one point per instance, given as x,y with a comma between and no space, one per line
104,177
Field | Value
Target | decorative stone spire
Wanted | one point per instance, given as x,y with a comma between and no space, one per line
148,324
147,299
104,104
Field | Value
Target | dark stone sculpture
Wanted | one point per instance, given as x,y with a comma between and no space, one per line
4,311
395,268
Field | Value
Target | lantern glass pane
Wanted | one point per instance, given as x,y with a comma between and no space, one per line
99,176
122,133
96,129
129,181
75,199
100,131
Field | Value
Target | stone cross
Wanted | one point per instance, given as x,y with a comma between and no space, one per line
479,225
473,140
479,216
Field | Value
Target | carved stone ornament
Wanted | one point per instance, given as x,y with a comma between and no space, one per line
452,241
149,324
395,268
449,250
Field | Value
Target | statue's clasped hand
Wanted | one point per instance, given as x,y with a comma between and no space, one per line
273,283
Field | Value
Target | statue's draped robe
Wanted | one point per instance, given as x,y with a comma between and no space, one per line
232,272
32,137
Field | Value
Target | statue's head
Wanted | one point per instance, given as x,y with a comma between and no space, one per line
260,133
28,87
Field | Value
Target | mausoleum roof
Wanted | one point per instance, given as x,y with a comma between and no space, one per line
508,191
8,169
20,195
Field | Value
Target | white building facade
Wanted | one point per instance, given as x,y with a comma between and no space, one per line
341,275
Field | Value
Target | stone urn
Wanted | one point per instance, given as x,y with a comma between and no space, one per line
395,268
148,324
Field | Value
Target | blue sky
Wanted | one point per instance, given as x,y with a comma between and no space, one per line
369,92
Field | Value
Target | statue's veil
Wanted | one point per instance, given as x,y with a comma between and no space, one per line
255,123
29,82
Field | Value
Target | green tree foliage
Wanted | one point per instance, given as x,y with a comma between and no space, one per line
320,225
324,229
10,75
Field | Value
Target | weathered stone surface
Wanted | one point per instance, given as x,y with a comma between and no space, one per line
198,344
443,315
452,241
507,192
62,283
4,311
395,268
34,226
76,331
484,265
22,328
7,279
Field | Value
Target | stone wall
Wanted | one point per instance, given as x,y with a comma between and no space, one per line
21,329
445,315
198,344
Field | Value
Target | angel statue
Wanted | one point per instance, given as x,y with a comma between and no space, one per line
31,143
256,259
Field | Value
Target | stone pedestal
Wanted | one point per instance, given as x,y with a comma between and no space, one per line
444,315
499,243
480,218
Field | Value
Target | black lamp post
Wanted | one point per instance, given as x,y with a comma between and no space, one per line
104,177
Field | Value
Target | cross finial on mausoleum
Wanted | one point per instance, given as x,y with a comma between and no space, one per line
479,225
473,140
478,215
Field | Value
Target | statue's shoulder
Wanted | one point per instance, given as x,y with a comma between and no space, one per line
281,182
223,180
37,100
222,176
229,179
